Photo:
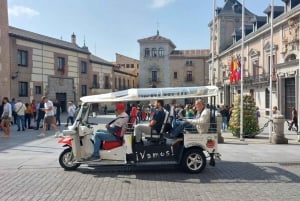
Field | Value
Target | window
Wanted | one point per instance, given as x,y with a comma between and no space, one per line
38,90
154,76
95,81
132,65
160,52
83,90
267,100
22,58
147,52
83,67
116,83
189,62
60,64
23,89
120,83
132,83
128,84
127,65
137,66
189,76
106,82
154,53
124,87
175,75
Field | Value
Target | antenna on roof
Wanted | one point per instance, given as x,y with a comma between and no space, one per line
157,25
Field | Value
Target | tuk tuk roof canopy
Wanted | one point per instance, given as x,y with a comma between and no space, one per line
145,94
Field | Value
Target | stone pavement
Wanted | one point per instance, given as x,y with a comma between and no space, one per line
249,170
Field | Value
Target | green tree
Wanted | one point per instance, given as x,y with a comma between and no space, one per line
250,123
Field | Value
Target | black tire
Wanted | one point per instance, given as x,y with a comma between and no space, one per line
193,161
67,161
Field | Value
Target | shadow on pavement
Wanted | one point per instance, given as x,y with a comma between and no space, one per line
224,172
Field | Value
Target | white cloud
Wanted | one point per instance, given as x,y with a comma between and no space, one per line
161,3
18,11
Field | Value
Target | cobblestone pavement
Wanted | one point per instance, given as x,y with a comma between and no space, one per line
249,170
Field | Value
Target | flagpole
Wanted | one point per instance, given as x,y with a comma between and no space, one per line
298,82
242,73
213,45
271,71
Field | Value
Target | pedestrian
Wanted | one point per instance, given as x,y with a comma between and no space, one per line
33,108
105,109
71,112
58,111
6,117
224,113
28,115
40,114
49,118
20,108
257,113
294,119
275,110
14,114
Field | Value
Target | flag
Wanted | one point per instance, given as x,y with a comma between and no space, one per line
231,72
238,78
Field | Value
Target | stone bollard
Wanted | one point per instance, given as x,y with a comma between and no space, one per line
278,132
219,124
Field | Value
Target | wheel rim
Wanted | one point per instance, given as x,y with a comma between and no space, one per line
194,161
68,159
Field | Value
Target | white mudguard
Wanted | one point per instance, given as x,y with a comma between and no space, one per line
208,142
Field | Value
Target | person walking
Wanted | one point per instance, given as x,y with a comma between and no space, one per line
49,118
28,115
71,113
20,108
58,111
294,119
6,117
40,114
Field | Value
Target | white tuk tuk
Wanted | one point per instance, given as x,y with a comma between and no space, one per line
189,151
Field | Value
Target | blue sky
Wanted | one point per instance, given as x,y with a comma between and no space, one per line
114,26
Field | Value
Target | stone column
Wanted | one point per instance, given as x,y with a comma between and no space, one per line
219,124
278,132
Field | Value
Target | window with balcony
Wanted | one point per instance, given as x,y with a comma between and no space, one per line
147,52
154,76
83,67
22,58
23,89
160,52
189,76
60,64
154,52
95,82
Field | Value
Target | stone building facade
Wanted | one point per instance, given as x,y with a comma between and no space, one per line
163,66
258,54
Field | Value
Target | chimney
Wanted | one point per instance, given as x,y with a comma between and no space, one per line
73,39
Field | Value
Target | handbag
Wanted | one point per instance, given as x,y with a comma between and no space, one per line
5,115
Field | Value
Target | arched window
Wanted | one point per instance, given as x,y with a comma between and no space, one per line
154,53
147,52
160,52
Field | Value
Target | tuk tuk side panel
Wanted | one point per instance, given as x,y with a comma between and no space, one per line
208,142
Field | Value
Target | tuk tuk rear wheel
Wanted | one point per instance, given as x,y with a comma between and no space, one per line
194,161
67,161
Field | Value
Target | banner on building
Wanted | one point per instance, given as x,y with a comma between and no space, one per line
235,71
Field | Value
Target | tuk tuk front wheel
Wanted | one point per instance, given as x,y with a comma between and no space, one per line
67,161
194,161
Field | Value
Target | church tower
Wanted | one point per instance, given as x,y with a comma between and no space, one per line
5,74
